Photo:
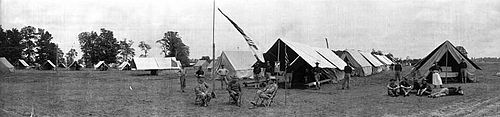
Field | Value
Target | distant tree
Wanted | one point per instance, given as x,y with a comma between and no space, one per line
29,38
144,47
71,56
462,50
205,58
378,52
126,49
390,56
95,48
172,46
10,44
45,49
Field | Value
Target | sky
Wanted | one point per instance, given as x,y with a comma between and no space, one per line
405,28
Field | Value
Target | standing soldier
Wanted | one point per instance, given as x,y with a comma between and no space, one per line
463,68
347,78
256,73
223,75
317,75
397,71
182,78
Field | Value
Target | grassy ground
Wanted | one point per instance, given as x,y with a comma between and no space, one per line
108,93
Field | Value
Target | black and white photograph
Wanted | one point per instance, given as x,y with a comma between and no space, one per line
250,58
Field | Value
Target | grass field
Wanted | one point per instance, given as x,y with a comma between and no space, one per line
108,93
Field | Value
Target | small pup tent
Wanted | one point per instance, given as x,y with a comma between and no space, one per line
21,64
48,65
101,66
75,66
125,66
5,66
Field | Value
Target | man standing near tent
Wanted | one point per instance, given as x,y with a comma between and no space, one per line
256,73
182,77
463,72
223,75
397,71
200,73
436,78
317,75
347,78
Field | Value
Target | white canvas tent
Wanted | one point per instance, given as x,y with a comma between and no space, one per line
101,66
203,63
75,66
239,63
168,63
377,66
21,64
447,56
5,66
303,57
48,65
361,66
384,61
124,66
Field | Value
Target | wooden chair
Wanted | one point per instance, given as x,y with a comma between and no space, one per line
269,101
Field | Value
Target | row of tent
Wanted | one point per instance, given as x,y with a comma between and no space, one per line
301,58
135,64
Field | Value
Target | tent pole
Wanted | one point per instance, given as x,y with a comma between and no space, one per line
213,46
446,64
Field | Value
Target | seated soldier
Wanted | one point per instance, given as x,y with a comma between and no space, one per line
392,88
234,89
266,93
405,87
423,88
203,93
447,92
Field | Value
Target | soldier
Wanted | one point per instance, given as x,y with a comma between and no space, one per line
202,91
317,75
256,73
267,92
347,78
200,73
463,69
223,75
234,89
182,77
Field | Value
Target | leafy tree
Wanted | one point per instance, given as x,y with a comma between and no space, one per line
462,50
172,46
10,44
205,58
95,48
378,52
126,49
71,56
46,50
29,38
144,47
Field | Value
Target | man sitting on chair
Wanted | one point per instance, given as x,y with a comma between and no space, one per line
234,89
267,92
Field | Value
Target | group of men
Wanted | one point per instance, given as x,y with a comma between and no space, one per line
204,93
397,87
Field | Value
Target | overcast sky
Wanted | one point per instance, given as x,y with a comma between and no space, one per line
403,27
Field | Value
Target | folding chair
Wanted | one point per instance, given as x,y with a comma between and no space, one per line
268,102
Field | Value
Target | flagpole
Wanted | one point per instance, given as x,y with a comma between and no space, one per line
213,46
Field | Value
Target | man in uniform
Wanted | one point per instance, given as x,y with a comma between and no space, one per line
347,77
223,75
182,77
266,93
397,71
202,91
317,75
463,68
234,89
256,73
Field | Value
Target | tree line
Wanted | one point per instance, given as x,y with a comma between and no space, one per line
35,46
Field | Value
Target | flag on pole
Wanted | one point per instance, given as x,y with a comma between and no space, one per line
253,47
